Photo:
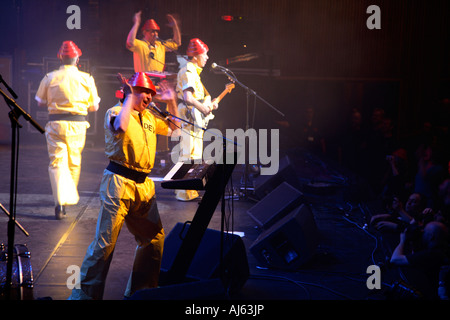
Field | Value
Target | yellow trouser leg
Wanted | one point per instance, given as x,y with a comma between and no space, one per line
99,254
64,188
123,200
75,148
148,256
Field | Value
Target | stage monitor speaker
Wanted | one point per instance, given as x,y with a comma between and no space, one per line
264,184
206,263
290,242
275,205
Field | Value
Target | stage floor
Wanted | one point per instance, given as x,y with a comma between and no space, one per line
336,271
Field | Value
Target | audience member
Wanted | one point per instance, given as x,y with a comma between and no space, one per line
353,143
380,143
426,135
444,192
397,216
311,136
429,175
376,120
396,180
421,265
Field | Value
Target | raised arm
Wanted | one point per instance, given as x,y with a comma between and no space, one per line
134,29
176,30
121,121
398,256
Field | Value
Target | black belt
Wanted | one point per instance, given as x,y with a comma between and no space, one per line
138,177
66,117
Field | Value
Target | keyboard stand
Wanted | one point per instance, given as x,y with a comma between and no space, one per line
214,191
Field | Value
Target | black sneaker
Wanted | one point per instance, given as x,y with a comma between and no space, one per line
60,212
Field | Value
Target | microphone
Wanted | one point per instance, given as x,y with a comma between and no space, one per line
216,66
152,56
163,114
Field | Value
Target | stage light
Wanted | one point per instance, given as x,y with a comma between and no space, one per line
227,18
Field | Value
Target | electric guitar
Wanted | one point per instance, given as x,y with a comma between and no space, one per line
199,119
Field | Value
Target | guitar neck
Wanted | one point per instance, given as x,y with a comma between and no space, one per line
223,94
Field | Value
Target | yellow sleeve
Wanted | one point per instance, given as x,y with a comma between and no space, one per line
110,115
94,99
188,79
170,45
162,128
138,45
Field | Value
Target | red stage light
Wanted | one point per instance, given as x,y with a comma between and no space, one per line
227,18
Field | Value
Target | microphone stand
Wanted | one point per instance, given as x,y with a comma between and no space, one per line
25,232
249,92
14,114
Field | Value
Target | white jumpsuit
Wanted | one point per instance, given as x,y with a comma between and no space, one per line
68,93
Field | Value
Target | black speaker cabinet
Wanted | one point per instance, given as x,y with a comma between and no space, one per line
264,184
233,271
275,205
290,242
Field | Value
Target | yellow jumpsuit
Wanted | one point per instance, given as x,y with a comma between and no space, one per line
191,140
147,57
143,52
67,92
125,200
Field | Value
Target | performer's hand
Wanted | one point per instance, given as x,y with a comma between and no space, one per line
214,105
137,17
167,93
126,87
172,21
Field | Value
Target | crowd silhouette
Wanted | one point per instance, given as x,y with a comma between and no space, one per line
410,177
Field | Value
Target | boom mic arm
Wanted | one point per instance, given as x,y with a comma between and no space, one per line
216,66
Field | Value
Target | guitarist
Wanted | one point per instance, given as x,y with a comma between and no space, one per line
192,94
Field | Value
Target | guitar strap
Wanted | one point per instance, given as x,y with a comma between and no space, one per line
205,91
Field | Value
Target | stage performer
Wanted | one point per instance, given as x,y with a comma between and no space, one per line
69,94
192,97
149,54
127,194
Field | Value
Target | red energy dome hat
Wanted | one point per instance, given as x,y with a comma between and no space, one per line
196,47
140,79
150,25
68,50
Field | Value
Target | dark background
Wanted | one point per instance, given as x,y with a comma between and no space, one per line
316,53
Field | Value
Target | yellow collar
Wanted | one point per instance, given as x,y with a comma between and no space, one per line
67,66
197,68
